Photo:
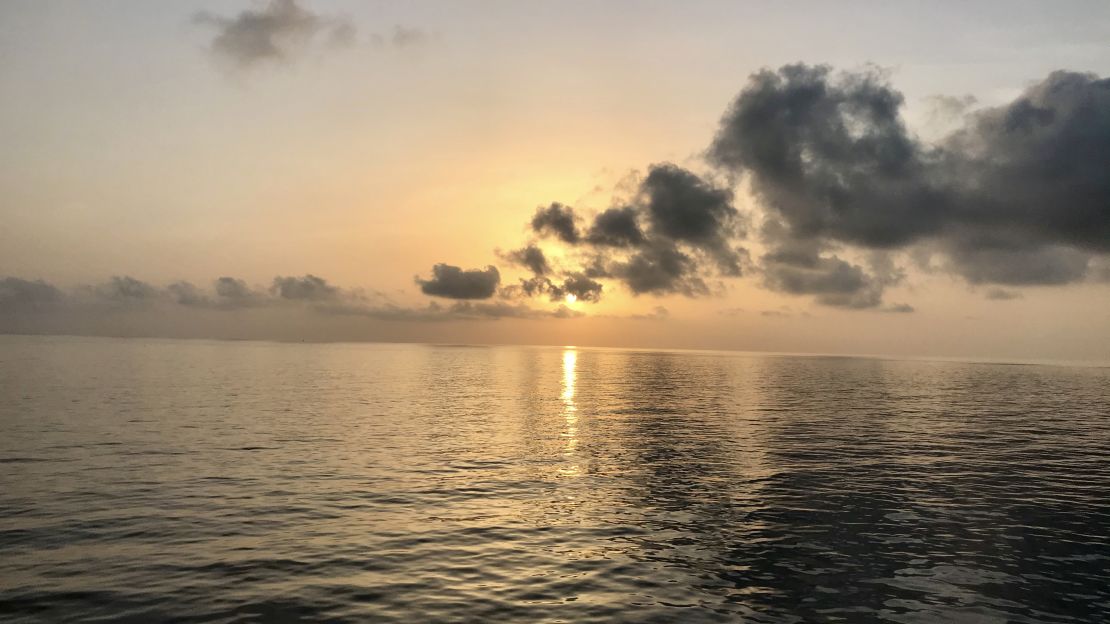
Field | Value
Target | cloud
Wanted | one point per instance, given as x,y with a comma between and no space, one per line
556,220
1099,269
685,208
834,282
274,33
26,295
531,287
437,312
530,257
125,289
666,239
616,227
307,288
26,305
452,282
1012,195
467,309
950,106
805,267
186,294
1016,195
995,260
232,292
581,287
829,156
661,268
945,113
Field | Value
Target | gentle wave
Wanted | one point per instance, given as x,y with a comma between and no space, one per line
229,482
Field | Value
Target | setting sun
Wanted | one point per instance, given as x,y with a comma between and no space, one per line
571,298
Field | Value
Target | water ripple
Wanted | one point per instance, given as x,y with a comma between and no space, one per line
234,482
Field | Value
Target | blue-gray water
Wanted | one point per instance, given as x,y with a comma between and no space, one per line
146,480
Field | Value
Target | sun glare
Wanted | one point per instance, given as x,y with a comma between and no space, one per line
571,298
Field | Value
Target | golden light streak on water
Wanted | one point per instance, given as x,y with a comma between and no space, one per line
570,410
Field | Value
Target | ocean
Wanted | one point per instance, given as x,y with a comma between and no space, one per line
195,481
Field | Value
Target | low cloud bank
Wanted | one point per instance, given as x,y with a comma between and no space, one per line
26,299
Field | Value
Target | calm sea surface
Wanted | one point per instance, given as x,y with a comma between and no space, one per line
146,481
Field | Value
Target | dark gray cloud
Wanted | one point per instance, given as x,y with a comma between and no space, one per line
27,295
616,227
274,33
531,257
1017,195
667,239
807,267
1032,183
834,282
661,268
830,156
307,288
530,287
452,282
556,220
991,260
686,208
582,287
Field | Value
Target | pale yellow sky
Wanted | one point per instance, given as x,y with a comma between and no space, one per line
129,148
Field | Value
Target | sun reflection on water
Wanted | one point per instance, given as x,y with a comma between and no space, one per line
570,410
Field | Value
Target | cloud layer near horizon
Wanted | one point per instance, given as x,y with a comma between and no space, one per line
21,297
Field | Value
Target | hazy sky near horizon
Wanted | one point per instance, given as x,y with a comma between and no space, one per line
903,178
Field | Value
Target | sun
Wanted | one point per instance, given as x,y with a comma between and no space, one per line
571,298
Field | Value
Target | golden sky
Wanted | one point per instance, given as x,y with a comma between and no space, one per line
365,143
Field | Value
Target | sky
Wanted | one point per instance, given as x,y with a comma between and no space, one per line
910,179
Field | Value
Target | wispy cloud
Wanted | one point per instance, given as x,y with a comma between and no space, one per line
275,33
